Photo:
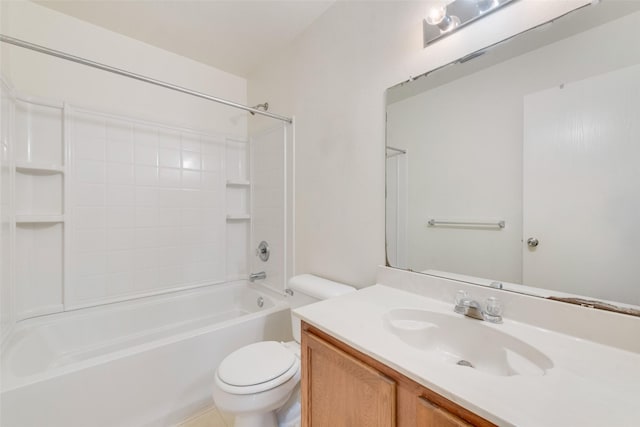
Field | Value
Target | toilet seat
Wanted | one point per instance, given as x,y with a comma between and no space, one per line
256,368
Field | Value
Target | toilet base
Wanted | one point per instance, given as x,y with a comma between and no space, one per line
255,410
267,419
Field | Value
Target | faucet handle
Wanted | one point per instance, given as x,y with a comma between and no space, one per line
461,297
493,310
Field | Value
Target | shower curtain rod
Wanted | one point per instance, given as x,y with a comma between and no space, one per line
83,61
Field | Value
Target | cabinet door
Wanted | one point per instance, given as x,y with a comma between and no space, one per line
338,390
430,415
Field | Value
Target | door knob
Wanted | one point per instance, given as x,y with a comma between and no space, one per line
532,242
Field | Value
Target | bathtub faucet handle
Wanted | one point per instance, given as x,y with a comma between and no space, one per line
263,251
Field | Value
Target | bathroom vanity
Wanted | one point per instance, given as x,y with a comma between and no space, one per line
366,391
501,175
396,354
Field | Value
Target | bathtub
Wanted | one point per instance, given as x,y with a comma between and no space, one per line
148,362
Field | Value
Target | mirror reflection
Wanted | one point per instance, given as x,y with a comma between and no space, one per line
520,164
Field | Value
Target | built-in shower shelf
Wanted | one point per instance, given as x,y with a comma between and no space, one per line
32,219
238,217
238,183
38,168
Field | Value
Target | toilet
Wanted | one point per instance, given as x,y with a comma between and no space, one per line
256,380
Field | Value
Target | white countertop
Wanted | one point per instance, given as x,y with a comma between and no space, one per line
590,384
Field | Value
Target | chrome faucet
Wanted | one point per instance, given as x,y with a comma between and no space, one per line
471,308
257,276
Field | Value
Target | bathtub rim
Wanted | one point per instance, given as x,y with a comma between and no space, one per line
280,303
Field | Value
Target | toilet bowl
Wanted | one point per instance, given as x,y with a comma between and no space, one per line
256,380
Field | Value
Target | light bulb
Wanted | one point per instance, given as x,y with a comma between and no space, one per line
436,14
448,24
486,5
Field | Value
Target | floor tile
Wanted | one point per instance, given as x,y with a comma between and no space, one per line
208,418
228,418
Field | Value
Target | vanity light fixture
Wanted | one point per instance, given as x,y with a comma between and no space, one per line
442,20
435,15
438,16
485,6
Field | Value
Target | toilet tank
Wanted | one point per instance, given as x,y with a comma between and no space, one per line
308,289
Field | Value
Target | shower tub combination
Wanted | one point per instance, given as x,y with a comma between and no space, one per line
147,362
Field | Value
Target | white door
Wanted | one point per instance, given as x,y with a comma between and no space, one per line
581,196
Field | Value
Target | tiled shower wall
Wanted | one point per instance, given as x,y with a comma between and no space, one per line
98,208
148,208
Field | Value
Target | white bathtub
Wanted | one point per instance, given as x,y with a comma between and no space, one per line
148,362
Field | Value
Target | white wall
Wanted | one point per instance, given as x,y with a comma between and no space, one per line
333,79
50,77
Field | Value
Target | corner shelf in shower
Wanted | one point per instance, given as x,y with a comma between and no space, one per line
239,217
42,219
40,148
238,183
38,168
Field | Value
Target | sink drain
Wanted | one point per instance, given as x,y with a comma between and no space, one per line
464,363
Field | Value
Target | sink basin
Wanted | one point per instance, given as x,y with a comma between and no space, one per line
466,343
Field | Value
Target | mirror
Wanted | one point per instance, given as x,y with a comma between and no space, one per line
519,166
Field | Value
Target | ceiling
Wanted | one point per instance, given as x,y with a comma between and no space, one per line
232,35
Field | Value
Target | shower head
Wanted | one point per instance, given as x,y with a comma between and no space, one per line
263,107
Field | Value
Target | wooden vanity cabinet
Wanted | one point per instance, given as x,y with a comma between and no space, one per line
341,390
344,387
429,414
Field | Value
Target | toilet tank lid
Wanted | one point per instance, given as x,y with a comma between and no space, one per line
317,287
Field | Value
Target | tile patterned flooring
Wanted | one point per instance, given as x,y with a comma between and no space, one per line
210,417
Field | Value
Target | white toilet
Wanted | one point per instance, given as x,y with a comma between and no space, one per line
254,381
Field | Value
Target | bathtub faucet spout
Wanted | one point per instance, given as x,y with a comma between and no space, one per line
257,276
